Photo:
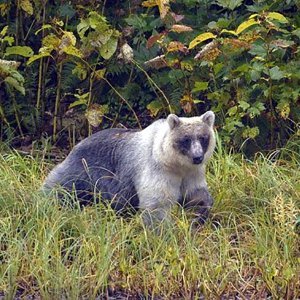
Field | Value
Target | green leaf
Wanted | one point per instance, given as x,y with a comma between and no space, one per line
4,31
201,38
277,16
296,32
15,84
200,86
108,49
37,56
16,75
256,109
67,10
80,71
254,75
71,50
260,106
218,68
78,102
97,39
26,5
244,105
2,115
249,132
229,4
82,27
223,23
232,111
175,75
196,101
154,107
98,22
244,68
276,73
9,39
284,108
19,50
46,26
84,96
259,49
136,21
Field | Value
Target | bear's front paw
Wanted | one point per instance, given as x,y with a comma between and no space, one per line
199,203
201,215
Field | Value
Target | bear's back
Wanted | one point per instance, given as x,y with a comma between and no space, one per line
100,163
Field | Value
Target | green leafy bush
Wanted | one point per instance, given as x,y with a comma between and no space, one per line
100,63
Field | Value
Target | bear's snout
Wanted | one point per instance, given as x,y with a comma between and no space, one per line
198,159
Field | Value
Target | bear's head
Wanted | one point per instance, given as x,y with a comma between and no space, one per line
192,139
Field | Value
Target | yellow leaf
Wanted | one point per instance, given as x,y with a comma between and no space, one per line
149,3
99,74
4,31
70,37
184,65
26,5
51,41
181,28
163,6
155,107
37,56
71,50
277,16
176,46
201,38
245,25
228,31
59,23
95,114
253,16
4,9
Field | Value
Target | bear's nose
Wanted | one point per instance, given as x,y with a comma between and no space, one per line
197,160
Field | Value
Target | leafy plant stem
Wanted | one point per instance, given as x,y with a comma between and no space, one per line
272,114
42,66
125,101
156,86
91,82
29,30
103,7
57,99
17,22
39,90
16,114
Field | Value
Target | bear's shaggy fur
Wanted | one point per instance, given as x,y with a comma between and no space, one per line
150,169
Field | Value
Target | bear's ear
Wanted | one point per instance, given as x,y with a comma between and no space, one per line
208,118
173,121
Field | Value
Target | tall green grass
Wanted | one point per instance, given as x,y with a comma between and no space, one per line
249,248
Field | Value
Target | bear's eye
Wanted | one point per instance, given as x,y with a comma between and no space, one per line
204,140
185,142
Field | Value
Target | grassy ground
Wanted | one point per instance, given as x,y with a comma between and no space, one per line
249,249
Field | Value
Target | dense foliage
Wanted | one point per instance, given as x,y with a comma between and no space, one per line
70,67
